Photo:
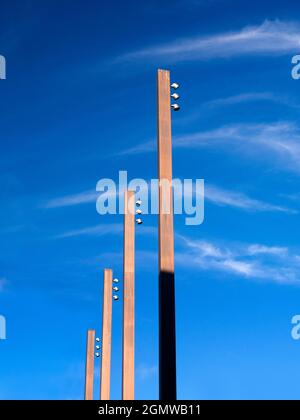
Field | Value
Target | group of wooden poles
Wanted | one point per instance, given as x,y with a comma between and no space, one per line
167,340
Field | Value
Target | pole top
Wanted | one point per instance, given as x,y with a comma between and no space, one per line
163,71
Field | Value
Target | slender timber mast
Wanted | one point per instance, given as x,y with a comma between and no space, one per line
128,297
167,336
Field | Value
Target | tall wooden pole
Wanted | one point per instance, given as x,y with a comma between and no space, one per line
106,336
89,367
128,298
167,337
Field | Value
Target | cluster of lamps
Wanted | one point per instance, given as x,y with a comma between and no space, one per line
138,212
115,289
97,354
175,96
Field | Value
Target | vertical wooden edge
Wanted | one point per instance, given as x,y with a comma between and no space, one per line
167,333
89,367
106,335
166,224
128,297
129,202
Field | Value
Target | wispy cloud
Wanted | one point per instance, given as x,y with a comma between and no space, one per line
239,200
3,283
269,38
236,199
71,200
148,146
267,250
279,142
102,230
239,99
137,149
292,197
252,261
250,97
98,230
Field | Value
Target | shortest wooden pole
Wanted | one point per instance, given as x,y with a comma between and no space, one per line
89,367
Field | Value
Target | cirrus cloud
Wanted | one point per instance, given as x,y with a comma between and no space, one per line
272,37
251,261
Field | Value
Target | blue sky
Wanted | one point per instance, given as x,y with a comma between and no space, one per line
79,105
